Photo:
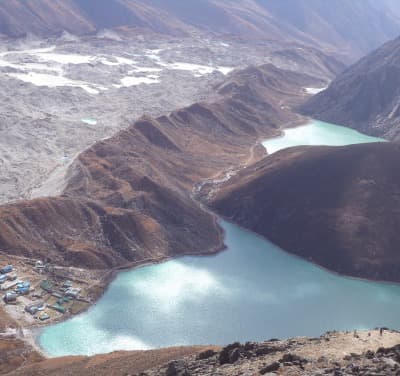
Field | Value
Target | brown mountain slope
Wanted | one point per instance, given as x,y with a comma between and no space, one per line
128,198
365,96
336,206
114,364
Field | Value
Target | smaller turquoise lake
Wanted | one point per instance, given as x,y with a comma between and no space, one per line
89,121
317,133
252,291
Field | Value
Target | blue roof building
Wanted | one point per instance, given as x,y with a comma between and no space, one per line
6,269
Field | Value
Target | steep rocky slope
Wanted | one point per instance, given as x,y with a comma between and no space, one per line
365,96
336,206
334,353
350,27
128,198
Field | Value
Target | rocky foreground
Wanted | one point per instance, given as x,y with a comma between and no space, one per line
334,353
331,354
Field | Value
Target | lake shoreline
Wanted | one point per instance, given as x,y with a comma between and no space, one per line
112,274
33,331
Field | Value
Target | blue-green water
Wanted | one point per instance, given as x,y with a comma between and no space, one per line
252,291
317,133
89,121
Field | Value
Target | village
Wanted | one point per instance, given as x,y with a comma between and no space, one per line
34,292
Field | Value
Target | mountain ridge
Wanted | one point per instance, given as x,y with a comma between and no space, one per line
364,96
335,206
129,198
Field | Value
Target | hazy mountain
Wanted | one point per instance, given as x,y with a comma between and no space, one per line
359,24
388,5
48,17
366,96
351,27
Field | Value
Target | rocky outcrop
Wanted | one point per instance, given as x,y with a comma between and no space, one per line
257,359
365,96
128,199
336,206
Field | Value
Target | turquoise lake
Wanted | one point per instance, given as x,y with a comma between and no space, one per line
89,121
317,133
251,291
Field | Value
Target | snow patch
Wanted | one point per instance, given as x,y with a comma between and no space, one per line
129,81
49,80
197,69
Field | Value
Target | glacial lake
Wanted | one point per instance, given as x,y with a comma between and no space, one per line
89,121
317,133
252,291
